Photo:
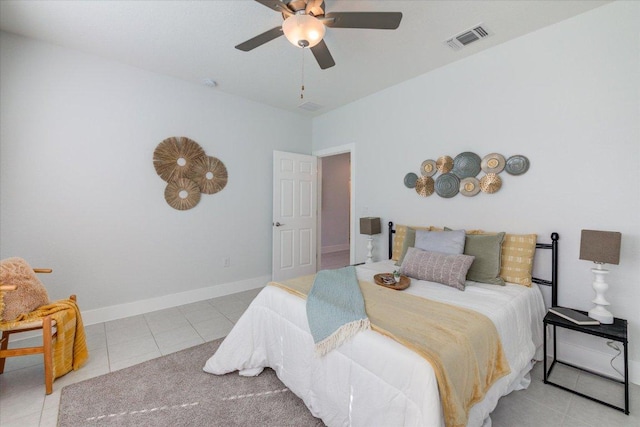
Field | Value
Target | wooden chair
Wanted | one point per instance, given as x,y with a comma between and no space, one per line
48,327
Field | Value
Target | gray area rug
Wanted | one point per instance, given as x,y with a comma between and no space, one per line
173,390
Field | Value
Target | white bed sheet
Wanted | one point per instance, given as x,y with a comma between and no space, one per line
372,380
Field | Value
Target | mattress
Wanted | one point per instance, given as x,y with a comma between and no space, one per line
372,380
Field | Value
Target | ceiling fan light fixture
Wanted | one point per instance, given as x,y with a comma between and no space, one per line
303,30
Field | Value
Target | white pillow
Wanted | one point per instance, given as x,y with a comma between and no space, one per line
448,242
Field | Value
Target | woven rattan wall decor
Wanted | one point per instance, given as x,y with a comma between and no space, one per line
210,174
448,176
188,171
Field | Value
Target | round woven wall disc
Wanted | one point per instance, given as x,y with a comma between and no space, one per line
490,183
424,186
210,174
444,164
174,157
182,194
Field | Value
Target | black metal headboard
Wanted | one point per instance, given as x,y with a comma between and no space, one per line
554,262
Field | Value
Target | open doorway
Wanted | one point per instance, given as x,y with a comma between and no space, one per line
335,211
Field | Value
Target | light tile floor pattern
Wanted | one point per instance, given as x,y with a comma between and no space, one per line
112,346
121,343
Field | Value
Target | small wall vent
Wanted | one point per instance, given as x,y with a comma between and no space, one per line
467,37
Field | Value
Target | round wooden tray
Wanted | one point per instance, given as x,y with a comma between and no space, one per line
402,284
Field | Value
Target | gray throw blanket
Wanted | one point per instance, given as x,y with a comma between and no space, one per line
335,309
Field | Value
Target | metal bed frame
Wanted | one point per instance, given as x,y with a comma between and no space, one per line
554,262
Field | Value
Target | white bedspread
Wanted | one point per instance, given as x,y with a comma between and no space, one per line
372,380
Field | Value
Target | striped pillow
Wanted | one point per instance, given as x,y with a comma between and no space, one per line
448,269
398,240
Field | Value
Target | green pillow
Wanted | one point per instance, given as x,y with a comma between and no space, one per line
487,250
408,242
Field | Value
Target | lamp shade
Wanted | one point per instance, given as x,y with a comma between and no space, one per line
370,225
600,246
303,30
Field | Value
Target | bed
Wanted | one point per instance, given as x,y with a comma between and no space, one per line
372,380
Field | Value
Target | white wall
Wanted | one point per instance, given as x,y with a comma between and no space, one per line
79,193
336,173
567,97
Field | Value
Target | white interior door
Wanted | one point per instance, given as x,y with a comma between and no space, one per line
295,187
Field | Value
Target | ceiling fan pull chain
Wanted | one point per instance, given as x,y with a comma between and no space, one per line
302,73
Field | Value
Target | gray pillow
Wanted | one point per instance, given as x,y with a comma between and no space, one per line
448,242
408,242
448,269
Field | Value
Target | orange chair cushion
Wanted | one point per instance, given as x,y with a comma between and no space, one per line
29,294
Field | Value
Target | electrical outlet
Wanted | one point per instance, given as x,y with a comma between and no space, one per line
226,261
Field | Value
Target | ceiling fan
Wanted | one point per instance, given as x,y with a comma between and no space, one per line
305,21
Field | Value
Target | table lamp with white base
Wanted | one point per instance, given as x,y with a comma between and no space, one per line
370,226
601,247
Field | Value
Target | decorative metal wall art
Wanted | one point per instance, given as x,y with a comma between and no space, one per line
187,169
517,165
410,180
425,186
459,174
444,164
466,165
447,185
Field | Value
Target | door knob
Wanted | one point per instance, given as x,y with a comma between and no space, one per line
277,224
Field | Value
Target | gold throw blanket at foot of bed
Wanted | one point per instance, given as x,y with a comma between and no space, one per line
462,346
69,347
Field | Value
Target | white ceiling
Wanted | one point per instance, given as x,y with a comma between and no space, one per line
194,40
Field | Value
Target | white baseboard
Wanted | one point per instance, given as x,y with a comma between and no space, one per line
335,248
105,314
590,358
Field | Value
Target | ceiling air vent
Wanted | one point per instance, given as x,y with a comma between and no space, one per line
310,106
469,36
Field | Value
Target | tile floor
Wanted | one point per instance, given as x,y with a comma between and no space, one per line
115,345
24,404
544,405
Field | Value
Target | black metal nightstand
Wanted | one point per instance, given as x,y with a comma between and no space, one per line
615,332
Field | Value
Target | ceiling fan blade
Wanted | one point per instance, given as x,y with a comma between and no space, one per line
373,20
322,55
276,5
260,39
